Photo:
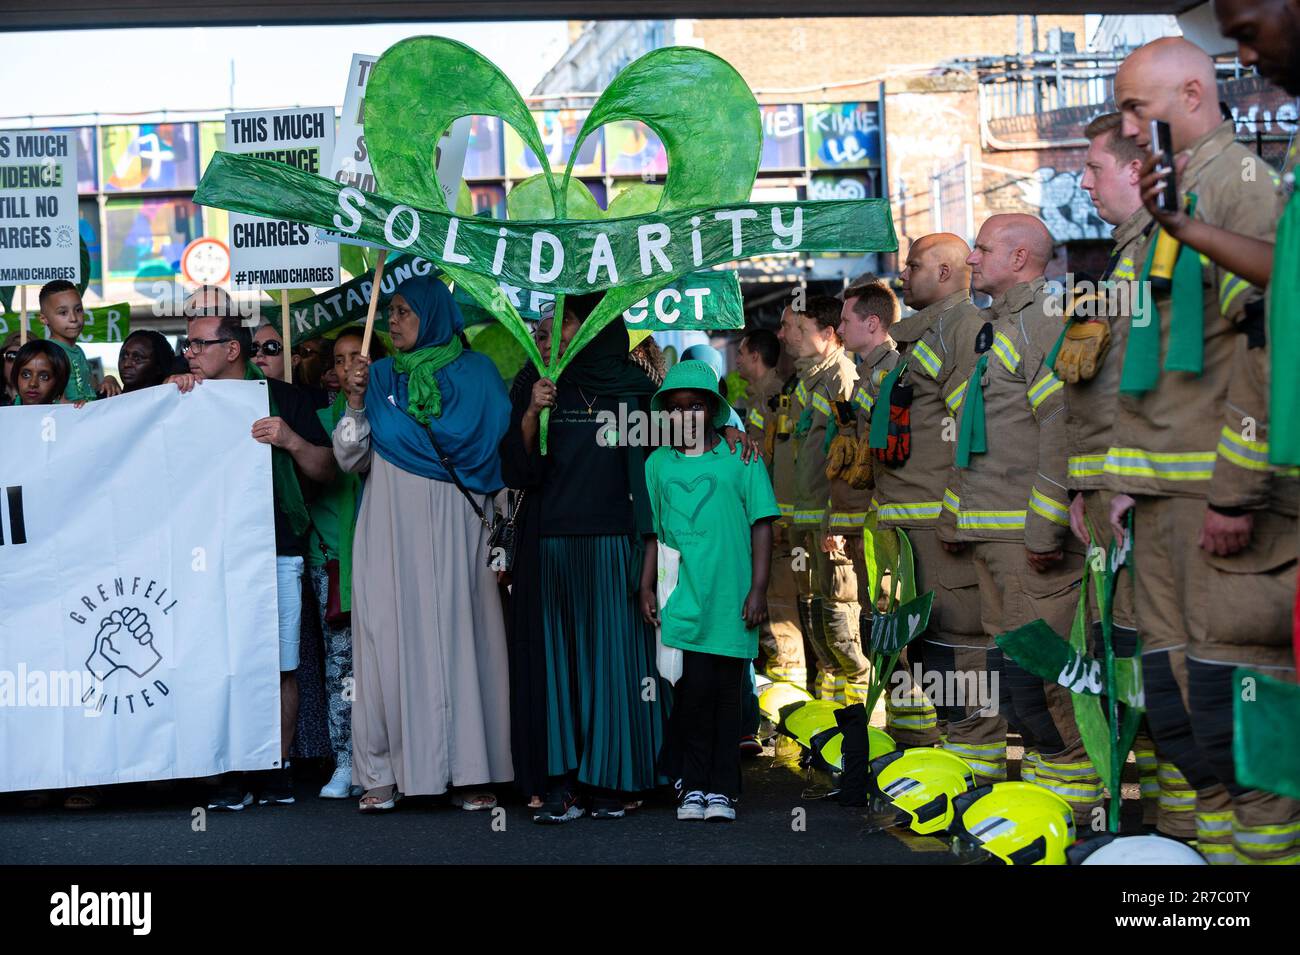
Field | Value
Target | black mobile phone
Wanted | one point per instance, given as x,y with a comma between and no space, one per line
1162,145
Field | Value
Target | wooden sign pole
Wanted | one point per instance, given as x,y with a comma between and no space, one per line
284,335
374,303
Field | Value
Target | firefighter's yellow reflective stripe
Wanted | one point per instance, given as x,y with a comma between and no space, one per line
1293,859
787,510
1053,510
1004,349
1229,289
920,511
801,393
755,418
1209,824
848,519
1252,455
1043,389
1125,270
954,399
808,516
951,502
926,356
821,404
1264,838
1087,465
986,759
991,520
1168,466
863,401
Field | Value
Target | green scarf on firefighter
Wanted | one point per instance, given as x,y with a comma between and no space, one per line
284,475
1141,371
971,436
1284,340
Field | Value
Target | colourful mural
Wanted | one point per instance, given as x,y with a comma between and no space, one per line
843,135
145,237
559,130
631,149
782,136
151,157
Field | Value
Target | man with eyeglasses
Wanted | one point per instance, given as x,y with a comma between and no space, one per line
218,349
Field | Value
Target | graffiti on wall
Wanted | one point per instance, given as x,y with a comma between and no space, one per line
1063,206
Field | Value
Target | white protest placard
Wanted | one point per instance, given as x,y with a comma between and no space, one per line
139,638
38,208
272,253
351,163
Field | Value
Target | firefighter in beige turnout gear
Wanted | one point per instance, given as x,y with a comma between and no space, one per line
1089,368
1008,497
1170,426
833,627
768,422
1242,613
938,344
869,310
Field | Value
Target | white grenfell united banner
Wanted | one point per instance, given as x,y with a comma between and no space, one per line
138,638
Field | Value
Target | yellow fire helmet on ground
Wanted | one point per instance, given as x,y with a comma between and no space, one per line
811,723
1016,823
827,752
773,697
921,784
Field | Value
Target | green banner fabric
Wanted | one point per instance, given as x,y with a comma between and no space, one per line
560,257
701,300
1266,746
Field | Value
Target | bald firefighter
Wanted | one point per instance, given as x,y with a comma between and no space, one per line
937,345
1185,372
1008,501
1244,618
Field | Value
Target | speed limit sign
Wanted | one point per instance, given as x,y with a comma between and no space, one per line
206,261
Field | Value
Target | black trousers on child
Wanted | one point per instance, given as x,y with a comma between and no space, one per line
707,699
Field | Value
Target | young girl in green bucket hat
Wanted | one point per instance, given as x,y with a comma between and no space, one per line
712,516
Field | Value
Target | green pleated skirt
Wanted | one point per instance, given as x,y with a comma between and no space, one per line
605,701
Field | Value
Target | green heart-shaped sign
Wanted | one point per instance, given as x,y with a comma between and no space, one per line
422,85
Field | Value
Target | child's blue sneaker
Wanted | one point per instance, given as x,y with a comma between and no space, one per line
718,806
694,806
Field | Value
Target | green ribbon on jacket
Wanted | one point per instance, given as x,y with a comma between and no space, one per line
880,411
284,474
1141,372
424,397
1284,340
971,437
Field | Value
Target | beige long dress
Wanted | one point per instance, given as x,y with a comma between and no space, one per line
428,637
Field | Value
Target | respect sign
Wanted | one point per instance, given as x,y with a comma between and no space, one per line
38,208
273,253
351,160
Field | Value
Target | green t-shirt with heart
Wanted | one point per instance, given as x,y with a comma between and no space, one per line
704,506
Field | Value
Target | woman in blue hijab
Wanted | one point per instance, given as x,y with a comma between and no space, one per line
432,683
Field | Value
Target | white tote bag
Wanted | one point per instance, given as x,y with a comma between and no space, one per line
669,659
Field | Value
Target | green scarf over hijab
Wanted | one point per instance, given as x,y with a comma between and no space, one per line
284,474
972,437
1284,340
1141,372
424,398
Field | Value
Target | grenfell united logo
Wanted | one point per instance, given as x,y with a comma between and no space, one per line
123,655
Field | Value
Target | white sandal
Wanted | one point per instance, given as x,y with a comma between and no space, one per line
383,805
474,801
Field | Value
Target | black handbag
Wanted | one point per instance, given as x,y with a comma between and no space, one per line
501,530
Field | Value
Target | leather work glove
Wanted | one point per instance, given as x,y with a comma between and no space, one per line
860,475
844,445
1082,351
